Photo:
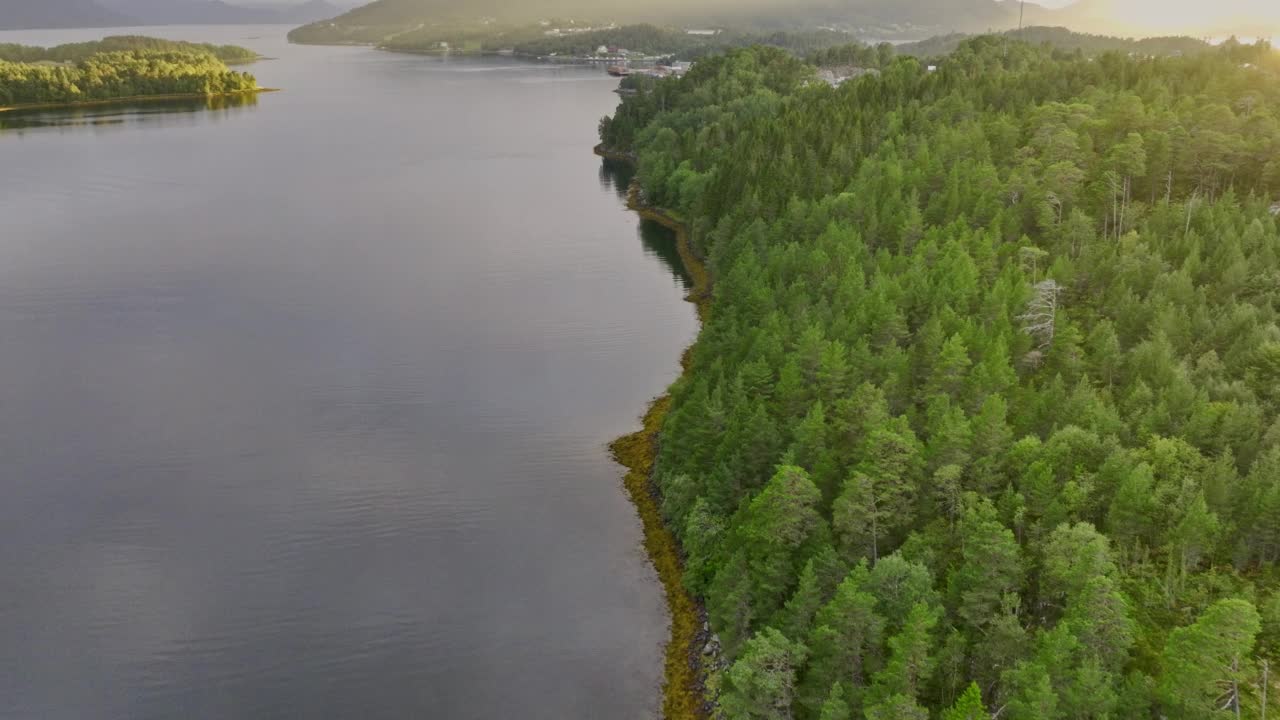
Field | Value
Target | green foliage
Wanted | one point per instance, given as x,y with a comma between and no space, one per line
1207,663
968,707
111,75
1010,328
770,540
835,708
1060,38
760,684
846,643
75,52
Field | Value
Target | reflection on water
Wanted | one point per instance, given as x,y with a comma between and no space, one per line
168,112
616,176
659,241
305,414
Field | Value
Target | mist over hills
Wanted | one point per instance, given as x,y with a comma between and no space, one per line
895,16
1251,18
217,12
25,14
874,19
869,19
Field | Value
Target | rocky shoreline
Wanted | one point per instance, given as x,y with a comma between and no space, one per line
694,658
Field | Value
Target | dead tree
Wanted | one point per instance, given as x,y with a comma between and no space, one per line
1040,319
1266,681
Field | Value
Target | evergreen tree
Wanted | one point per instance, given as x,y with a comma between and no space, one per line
968,707
760,685
1206,665
1016,320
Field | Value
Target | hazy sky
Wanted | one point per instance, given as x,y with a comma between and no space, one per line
1045,3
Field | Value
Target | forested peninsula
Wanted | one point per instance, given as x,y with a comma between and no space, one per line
97,72
985,418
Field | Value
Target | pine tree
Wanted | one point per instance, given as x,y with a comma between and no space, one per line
968,707
1206,664
911,663
760,685
835,708
990,566
845,643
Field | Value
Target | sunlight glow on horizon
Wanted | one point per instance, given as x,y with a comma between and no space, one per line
1202,16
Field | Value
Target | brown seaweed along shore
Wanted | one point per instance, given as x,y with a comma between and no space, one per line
684,694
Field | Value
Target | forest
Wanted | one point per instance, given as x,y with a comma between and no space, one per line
1063,39
985,417
532,41
823,47
123,74
75,52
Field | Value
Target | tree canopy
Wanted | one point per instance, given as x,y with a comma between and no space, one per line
74,52
986,412
111,75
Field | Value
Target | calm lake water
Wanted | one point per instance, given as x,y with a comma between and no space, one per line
304,402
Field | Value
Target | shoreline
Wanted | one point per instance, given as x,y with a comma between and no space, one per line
684,668
432,52
633,203
130,99
440,53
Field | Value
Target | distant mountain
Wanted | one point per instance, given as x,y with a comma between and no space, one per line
887,19
27,14
309,12
910,17
189,12
870,19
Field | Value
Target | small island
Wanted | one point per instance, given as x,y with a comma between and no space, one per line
75,52
122,68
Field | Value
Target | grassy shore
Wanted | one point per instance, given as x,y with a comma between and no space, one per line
682,691
131,99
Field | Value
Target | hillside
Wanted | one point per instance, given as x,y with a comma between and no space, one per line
871,18
1061,38
984,420
217,12
30,14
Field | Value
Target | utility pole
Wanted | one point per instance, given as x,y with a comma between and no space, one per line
1022,11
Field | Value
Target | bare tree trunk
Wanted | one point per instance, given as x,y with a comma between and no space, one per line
1115,212
1128,200
875,530
1039,321
1266,681
1191,204
1235,687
